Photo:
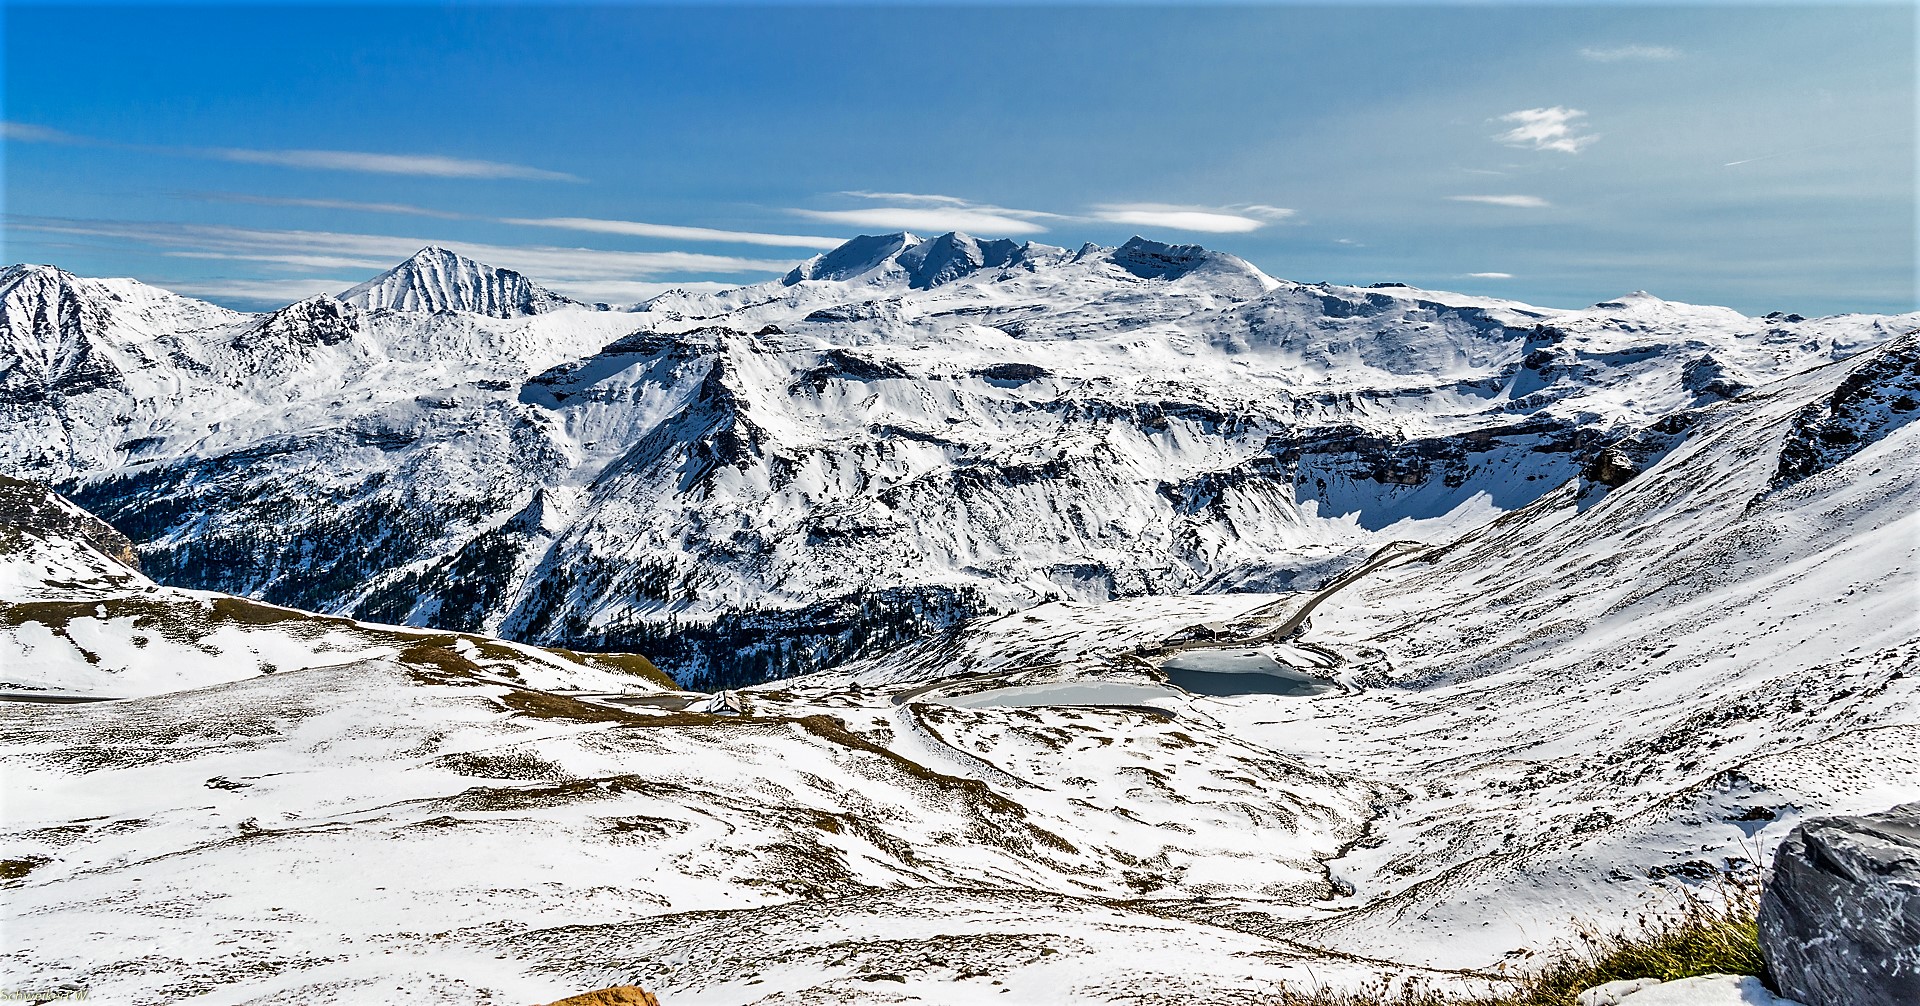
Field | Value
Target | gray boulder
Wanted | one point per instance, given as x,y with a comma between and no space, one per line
1840,914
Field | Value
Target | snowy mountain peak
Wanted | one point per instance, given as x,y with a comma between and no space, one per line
1158,260
437,279
60,324
317,320
924,262
19,272
952,255
857,257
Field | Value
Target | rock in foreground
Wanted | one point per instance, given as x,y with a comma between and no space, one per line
1840,918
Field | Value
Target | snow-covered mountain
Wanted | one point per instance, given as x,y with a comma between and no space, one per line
436,280
1624,685
896,435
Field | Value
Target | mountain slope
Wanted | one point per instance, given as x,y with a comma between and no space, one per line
898,435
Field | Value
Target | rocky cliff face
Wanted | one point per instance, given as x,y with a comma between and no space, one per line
30,508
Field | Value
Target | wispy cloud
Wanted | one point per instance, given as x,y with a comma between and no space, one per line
26,132
934,214
424,165
590,274
1553,128
1629,53
302,262
674,232
983,220
1489,275
915,211
1521,202
912,198
332,204
1205,219
274,292
632,228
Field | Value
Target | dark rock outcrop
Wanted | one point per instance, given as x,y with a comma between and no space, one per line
1881,395
1840,915
34,508
1612,468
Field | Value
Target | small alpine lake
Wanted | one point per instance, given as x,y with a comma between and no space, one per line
1231,671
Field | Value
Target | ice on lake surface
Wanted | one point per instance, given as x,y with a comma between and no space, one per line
1239,672
1066,693
1216,672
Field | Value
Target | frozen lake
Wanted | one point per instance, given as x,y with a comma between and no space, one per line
1239,672
1066,693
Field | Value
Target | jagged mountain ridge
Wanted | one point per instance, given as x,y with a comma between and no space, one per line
896,435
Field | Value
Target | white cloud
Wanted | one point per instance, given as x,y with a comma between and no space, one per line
26,132
912,198
538,261
1520,202
985,220
426,165
929,213
588,274
275,292
1490,275
638,229
301,262
588,224
334,204
1553,128
1629,53
1205,219
933,214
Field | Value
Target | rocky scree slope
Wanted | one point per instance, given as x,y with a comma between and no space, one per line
895,436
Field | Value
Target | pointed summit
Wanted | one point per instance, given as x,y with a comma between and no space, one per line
437,279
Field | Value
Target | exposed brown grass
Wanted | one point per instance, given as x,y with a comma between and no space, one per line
14,869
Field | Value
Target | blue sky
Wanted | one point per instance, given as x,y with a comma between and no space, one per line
1762,158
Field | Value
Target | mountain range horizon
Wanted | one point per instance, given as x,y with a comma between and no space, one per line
864,244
